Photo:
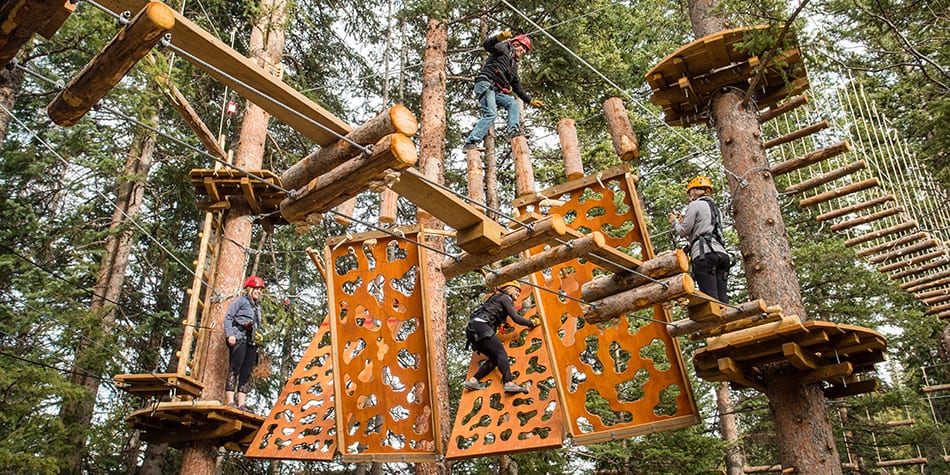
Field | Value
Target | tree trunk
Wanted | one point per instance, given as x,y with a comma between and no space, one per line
77,415
11,79
728,430
803,428
432,165
267,44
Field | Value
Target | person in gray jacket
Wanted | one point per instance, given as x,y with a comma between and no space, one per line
702,227
241,324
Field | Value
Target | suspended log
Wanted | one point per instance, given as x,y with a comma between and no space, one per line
904,251
57,18
902,462
388,205
178,101
811,158
621,132
927,282
803,132
936,300
729,314
838,193
892,244
639,298
913,261
919,270
570,149
935,388
20,20
393,152
880,233
826,177
791,104
345,210
901,423
547,259
548,229
762,469
398,119
867,218
943,316
524,171
111,64
854,208
475,173
739,324
665,264
933,293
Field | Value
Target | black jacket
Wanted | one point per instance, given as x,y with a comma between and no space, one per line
501,68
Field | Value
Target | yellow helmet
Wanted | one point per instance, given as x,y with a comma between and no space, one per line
510,283
699,182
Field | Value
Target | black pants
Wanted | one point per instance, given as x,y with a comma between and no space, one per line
243,358
711,272
494,349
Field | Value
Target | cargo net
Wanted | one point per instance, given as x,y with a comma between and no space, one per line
625,376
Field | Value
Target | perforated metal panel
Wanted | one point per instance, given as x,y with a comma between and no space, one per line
302,424
381,338
491,422
621,378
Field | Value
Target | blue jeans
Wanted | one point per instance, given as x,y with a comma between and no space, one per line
490,101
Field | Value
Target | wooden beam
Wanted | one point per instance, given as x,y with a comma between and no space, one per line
938,309
204,134
249,195
867,218
892,244
819,180
665,264
736,325
111,64
524,170
913,261
477,232
57,18
927,282
20,20
639,298
927,244
791,104
880,233
621,132
902,462
919,270
811,158
802,358
935,388
791,136
734,373
933,293
835,213
573,185
829,372
609,258
247,78
852,388
729,314
838,193
547,259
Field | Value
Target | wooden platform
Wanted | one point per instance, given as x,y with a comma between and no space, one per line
220,185
178,423
822,351
160,385
685,80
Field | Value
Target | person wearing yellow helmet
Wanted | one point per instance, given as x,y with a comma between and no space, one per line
701,225
241,322
481,335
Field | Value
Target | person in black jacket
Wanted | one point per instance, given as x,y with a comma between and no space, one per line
496,83
481,335
242,322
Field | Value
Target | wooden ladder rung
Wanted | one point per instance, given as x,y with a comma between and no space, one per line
838,193
892,244
836,213
819,180
919,270
791,104
935,388
803,132
904,251
927,282
866,219
811,158
902,462
880,233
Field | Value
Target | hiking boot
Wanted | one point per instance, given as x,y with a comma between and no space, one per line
472,146
514,133
471,384
511,387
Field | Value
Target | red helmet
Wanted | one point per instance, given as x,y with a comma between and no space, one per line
254,281
524,40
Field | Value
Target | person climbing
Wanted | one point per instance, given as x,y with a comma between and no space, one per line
481,335
242,323
496,83
702,227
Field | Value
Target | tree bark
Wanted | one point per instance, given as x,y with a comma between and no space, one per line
728,431
570,149
267,43
432,165
11,79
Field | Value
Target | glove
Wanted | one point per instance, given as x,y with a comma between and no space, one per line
536,103
504,35
535,322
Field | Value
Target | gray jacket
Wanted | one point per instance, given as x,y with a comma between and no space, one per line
243,318
697,222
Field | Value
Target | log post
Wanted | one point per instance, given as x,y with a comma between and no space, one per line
838,193
345,211
867,218
111,64
880,233
544,231
396,152
621,132
729,314
570,149
524,172
927,282
476,175
811,158
665,264
790,104
397,119
854,208
892,244
819,180
388,205
639,298
927,244
803,132
547,259
20,20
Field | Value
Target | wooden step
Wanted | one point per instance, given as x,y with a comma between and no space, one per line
811,158
824,178
840,192
837,213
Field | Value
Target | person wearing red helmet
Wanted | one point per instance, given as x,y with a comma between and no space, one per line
496,84
241,323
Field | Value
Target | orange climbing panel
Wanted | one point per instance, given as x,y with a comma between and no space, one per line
302,425
685,80
620,378
383,386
